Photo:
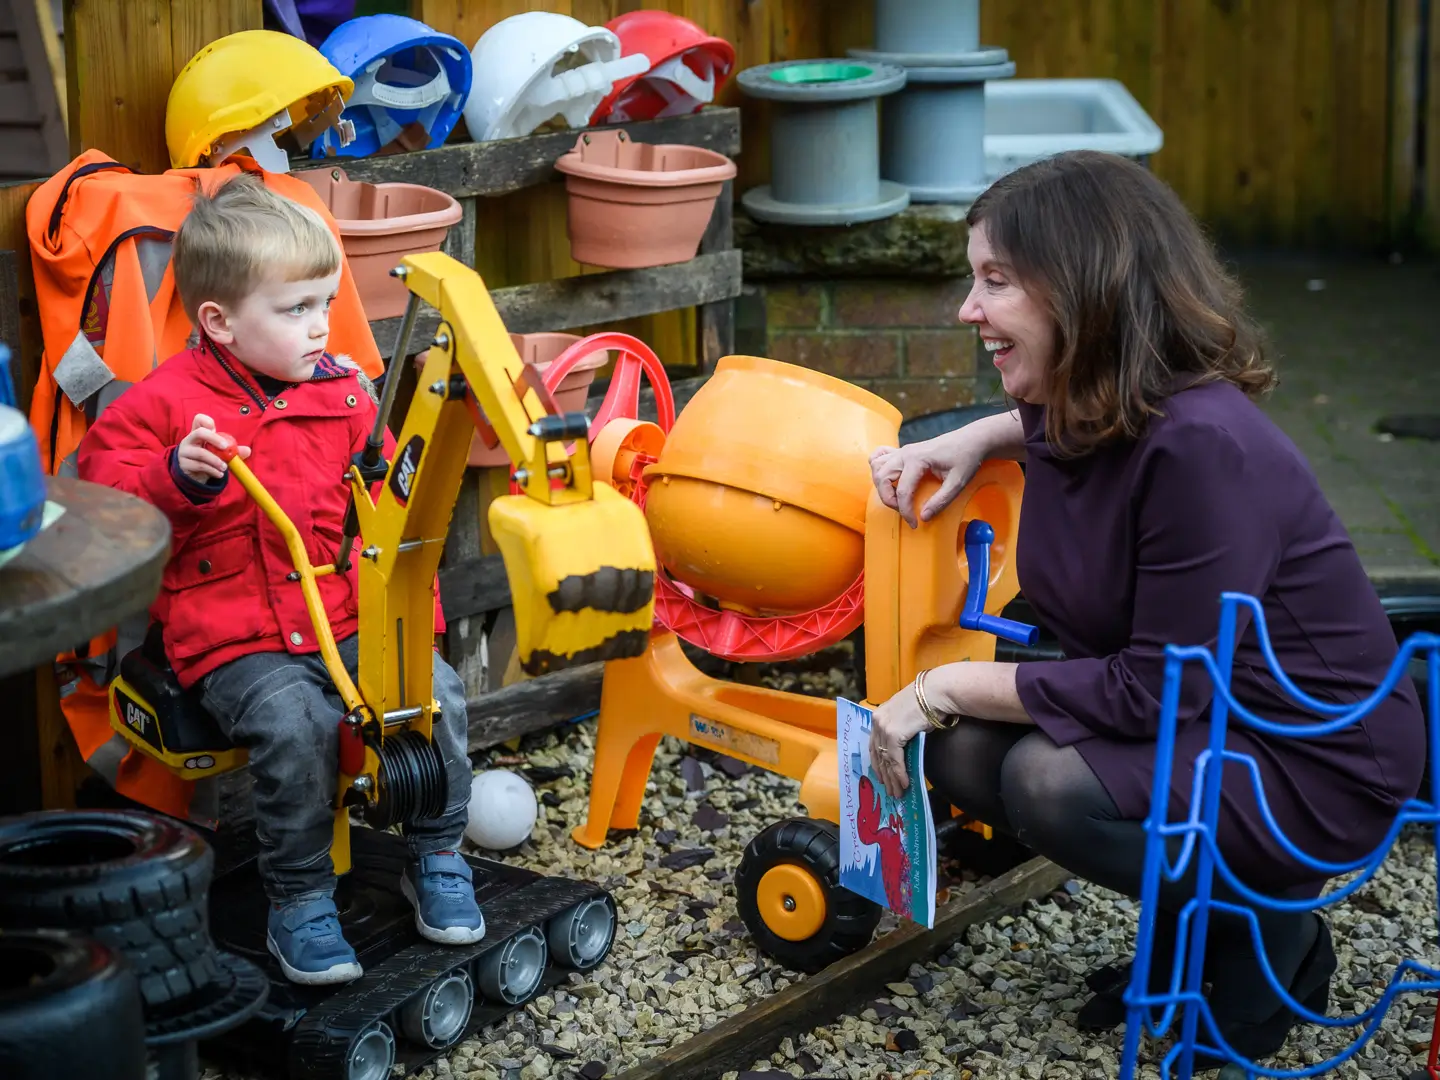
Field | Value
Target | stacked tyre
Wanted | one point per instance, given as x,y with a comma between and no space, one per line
137,883
111,906
69,1006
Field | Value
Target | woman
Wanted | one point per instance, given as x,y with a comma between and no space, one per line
1153,484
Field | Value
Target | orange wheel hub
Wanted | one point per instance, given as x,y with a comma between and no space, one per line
792,902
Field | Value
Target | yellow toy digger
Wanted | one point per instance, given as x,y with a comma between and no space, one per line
581,568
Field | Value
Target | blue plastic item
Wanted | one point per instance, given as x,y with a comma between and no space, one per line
404,73
1183,999
22,481
979,535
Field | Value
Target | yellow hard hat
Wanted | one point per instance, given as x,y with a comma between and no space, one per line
257,81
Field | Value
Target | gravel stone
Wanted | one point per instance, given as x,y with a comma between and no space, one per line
999,1004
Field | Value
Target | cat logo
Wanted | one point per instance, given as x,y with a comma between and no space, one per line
402,477
137,718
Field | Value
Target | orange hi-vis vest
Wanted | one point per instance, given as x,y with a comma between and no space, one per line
100,240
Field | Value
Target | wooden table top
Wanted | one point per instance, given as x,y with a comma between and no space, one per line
99,563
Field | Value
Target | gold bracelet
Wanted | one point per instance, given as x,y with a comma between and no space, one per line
930,714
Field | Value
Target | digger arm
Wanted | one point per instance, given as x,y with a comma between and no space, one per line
577,554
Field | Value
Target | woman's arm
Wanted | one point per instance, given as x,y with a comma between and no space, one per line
953,458
1000,436
983,690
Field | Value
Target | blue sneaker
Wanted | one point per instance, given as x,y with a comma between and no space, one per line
440,889
305,936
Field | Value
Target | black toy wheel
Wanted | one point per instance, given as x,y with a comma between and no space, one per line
789,895
69,1006
136,882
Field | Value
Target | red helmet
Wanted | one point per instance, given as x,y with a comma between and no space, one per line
687,68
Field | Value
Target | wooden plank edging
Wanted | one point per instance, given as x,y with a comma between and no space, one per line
737,1041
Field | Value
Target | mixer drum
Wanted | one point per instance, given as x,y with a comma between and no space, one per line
758,498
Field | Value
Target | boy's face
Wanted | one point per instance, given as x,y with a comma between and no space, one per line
279,330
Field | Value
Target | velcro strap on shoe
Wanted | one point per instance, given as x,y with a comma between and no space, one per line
446,862
294,916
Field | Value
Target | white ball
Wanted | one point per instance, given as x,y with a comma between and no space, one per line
502,810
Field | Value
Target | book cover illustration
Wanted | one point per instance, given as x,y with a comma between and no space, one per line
887,846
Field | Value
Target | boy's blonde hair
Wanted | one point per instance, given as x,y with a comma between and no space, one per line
242,235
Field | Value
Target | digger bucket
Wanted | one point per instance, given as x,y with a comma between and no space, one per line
577,553
582,577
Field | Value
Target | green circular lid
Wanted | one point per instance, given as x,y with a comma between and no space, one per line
824,72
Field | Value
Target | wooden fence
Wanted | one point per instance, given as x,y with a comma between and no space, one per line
1288,123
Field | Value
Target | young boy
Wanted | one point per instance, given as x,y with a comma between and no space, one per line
256,273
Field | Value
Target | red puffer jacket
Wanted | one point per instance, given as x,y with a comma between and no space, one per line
224,593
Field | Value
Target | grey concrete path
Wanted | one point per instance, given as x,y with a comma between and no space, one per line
1355,340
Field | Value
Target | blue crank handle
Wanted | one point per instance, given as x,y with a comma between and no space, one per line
1010,629
979,535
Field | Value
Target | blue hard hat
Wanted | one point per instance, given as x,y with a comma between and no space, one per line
404,73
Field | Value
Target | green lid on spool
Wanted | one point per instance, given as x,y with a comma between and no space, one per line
823,72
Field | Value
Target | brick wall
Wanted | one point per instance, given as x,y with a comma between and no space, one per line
898,337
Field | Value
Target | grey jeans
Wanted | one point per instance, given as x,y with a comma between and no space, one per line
285,710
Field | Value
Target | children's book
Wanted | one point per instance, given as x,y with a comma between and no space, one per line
887,846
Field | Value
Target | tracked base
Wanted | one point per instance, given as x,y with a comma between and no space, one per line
313,1033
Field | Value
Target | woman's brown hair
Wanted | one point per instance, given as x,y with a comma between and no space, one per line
1138,296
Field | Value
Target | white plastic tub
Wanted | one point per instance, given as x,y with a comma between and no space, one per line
1030,119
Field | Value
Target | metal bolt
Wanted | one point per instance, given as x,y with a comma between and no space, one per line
442,341
401,272
372,552
362,783
438,388
520,476
789,903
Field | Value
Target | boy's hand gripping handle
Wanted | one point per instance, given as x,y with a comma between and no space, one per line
305,573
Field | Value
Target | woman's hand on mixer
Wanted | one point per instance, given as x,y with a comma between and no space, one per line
953,458
896,722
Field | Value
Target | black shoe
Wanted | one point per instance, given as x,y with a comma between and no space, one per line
1106,1010
1310,987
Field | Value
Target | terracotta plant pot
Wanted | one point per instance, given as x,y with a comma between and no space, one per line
379,224
639,204
570,395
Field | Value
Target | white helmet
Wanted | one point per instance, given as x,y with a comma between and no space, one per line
538,65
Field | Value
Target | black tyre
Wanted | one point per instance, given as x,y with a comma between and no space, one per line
789,895
69,1006
135,881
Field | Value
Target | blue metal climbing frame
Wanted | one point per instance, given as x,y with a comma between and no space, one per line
1183,997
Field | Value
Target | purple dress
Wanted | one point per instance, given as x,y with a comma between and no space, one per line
1128,549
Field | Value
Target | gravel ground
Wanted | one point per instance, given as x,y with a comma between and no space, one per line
999,1004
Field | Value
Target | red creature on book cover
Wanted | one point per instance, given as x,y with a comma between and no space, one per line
890,836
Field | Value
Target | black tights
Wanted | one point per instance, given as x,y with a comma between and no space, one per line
1016,780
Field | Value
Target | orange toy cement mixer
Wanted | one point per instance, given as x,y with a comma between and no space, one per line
772,544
